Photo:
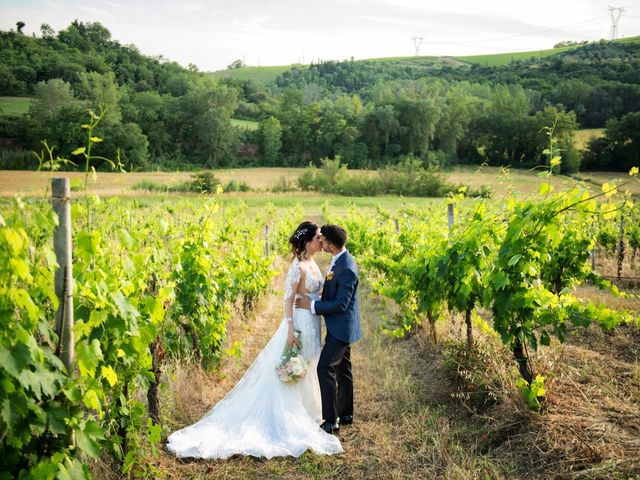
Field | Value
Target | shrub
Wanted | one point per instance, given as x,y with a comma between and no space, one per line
16,159
205,182
237,186
283,185
151,186
570,161
409,177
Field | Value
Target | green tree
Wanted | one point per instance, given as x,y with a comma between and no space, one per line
50,97
379,127
270,140
205,129
154,114
417,119
61,130
457,113
102,92
47,32
508,131
130,141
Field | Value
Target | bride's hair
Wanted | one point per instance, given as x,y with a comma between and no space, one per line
304,233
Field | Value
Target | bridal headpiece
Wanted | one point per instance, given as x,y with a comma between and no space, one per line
300,233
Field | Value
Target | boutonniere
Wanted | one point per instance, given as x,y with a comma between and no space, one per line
329,276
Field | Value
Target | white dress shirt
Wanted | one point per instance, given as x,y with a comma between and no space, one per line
333,262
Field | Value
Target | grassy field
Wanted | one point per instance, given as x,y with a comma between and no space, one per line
28,183
15,105
629,40
261,75
245,124
500,59
583,136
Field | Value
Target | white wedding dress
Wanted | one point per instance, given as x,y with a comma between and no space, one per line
262,416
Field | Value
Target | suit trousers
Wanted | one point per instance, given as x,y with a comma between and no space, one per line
336,380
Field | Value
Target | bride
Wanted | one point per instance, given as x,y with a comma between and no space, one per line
262,416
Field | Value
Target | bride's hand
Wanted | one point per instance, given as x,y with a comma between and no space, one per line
292,340
303,302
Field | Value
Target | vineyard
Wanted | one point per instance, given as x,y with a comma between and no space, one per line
152,285
519,261
156,284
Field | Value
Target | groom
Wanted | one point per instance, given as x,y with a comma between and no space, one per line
339,306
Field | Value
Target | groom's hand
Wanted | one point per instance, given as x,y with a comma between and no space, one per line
303,302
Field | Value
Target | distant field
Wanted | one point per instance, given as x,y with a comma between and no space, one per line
262,75
245,124
27,183
629,40
499,59
30,183
583,136
15,105
265,75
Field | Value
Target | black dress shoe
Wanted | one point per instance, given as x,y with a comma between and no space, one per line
346,420
330,427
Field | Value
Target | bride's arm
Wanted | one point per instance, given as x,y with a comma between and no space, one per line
294,278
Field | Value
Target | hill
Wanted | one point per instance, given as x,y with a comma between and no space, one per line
266,74
439,111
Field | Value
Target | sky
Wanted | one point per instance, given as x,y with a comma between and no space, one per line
213,33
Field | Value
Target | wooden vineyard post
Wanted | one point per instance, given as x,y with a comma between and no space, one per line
266,241
450,221
621,247
61,202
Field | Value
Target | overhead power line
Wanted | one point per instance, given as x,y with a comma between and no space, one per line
583,23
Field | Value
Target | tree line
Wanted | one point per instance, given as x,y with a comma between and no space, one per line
371,114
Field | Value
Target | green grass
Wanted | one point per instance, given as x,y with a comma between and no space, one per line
245,124
313,205
499,59
629,40
262,75
15,105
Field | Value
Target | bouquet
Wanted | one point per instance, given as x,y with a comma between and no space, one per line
291,367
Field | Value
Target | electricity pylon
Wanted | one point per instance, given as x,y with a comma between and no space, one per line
417,41
616,13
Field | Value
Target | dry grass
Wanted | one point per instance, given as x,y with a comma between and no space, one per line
607,267
583,136
29,183
503,181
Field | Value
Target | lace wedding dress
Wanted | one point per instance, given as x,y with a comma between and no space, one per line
262,416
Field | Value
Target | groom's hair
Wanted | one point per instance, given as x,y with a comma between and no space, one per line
334,234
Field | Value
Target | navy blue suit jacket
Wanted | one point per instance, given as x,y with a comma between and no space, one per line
339,303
